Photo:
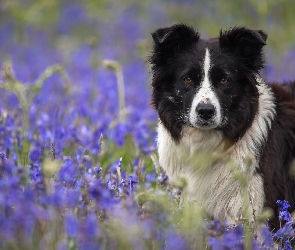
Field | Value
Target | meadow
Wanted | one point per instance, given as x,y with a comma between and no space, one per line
78,161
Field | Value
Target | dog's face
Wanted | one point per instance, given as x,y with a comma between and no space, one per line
206,84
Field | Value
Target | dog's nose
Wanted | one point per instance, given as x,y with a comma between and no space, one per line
205,110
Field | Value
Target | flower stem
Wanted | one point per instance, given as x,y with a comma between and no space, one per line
117,68
25,95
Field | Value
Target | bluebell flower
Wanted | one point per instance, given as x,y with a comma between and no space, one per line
222,236
97,172
175,240
150,178
68,173
286,245
35,155
79,154
127,185
285,232
119,133
267,238
162,178
89,230
284,215
71,225
102,195
6,138
2,159
72,197
35,173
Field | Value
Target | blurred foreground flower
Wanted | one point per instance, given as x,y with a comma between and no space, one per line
286,234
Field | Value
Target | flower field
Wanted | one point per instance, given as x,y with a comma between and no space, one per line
78,161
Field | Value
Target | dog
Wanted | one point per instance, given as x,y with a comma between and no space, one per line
210,97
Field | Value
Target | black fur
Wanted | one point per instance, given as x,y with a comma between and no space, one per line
246,44
173,58
278,153
237,55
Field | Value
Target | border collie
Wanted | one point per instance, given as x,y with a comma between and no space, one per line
210,96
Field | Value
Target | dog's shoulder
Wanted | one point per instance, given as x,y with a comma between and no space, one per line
285,100
283,127
285,92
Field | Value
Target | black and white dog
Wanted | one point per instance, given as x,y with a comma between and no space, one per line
209,96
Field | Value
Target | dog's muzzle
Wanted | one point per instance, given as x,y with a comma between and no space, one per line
205,111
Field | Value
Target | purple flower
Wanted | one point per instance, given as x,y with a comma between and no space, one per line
285,232
150,177
162,178
71,225
35,173
127,185
102,196
68,173
175,241
35,155
88,232
284,214
97,170
267,237
2,159
286,246
119,133
224,237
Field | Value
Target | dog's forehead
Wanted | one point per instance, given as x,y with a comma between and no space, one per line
211,45
197,52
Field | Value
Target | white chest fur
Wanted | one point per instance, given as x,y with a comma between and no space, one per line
214,188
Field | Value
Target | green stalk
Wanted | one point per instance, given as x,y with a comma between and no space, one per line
25,95
242,177
246,215
25,131
117,68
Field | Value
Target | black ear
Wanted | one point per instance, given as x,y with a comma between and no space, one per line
246,43
174,38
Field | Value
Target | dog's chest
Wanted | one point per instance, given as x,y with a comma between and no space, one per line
210,183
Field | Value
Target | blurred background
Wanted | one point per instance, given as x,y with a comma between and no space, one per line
42,32
79,35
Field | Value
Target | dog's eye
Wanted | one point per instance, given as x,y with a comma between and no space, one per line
187,79
224,81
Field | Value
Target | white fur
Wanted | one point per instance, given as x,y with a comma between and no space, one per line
258,132
214,188
205,94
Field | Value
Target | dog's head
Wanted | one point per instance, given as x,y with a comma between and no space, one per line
206,84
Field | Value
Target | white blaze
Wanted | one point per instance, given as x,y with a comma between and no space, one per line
205,94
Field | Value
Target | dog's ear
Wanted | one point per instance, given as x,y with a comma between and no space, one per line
174,38
246,43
